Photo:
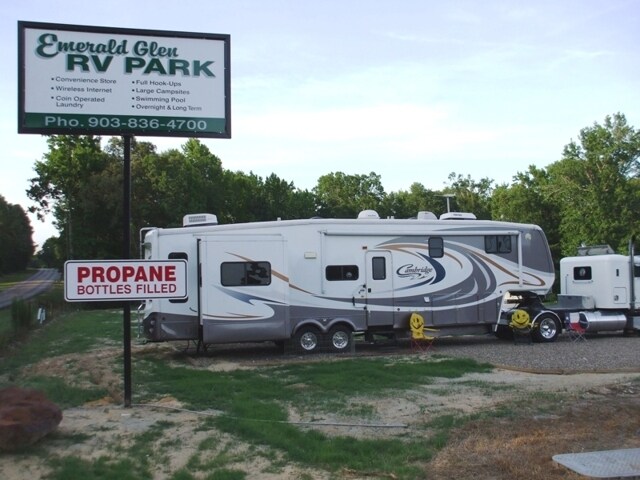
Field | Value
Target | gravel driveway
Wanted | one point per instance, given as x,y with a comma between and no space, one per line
610,352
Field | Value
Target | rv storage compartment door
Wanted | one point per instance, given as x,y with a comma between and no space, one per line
244,288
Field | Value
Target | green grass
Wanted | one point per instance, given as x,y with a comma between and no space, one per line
5,325
102,468
254,406
52,300
72,333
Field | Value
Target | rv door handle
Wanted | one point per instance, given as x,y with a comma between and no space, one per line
368,290
353,300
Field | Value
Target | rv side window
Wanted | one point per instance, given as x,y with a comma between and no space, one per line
636,271
582,273
236,274
341,272
436,247
178,256
379,268
497,244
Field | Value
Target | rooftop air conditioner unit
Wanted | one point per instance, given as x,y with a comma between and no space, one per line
199,219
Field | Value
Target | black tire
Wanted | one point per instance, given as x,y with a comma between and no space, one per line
340,339
503,332
546,328
307,339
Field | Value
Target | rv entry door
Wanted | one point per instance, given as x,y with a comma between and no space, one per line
379,288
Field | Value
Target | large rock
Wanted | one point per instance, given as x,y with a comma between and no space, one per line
25,417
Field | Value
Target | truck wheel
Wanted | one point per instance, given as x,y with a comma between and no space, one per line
307,339
340,338
546,328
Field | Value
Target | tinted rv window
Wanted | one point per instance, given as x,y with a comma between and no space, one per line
497,244
436,247
236,274
582,273
178,256
341,272
379,268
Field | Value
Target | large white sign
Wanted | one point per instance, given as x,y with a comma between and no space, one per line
97,281
107,81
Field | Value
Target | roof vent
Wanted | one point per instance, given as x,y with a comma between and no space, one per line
368,214
457,216
199,219
424,215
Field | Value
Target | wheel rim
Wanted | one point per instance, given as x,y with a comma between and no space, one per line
309,341
548,328
340,340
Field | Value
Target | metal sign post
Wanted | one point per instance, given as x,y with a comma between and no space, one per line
126,254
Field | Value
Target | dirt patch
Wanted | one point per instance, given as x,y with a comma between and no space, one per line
602,417
585,412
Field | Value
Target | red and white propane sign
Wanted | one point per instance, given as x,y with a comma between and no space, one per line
99,281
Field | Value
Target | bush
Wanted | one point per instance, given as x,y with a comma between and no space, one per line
20,316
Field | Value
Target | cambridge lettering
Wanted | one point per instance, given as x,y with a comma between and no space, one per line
146,57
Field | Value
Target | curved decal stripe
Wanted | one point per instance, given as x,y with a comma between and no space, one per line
526,282
246,297
232,317
406,248
504,270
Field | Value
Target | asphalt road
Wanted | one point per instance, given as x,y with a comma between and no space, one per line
36,284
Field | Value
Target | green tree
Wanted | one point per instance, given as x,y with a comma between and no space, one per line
244,202
51,254
407,203
470,195
16,243
344,196
527,200
73,182
596,185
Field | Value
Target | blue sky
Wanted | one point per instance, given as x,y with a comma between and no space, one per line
411,90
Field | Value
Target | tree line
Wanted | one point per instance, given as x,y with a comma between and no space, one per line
591,195
16,242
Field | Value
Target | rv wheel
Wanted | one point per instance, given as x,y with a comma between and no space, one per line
340,338
546,328
307,339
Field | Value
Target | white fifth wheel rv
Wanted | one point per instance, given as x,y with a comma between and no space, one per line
315,282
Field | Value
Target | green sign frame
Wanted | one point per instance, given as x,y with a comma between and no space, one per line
87,80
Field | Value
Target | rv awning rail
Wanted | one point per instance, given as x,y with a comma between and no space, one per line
438,233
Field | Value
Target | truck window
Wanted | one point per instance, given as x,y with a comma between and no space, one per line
341,272
582,273
240,274
497,243
436,247
379,268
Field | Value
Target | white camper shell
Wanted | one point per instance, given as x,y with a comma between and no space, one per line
315,282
